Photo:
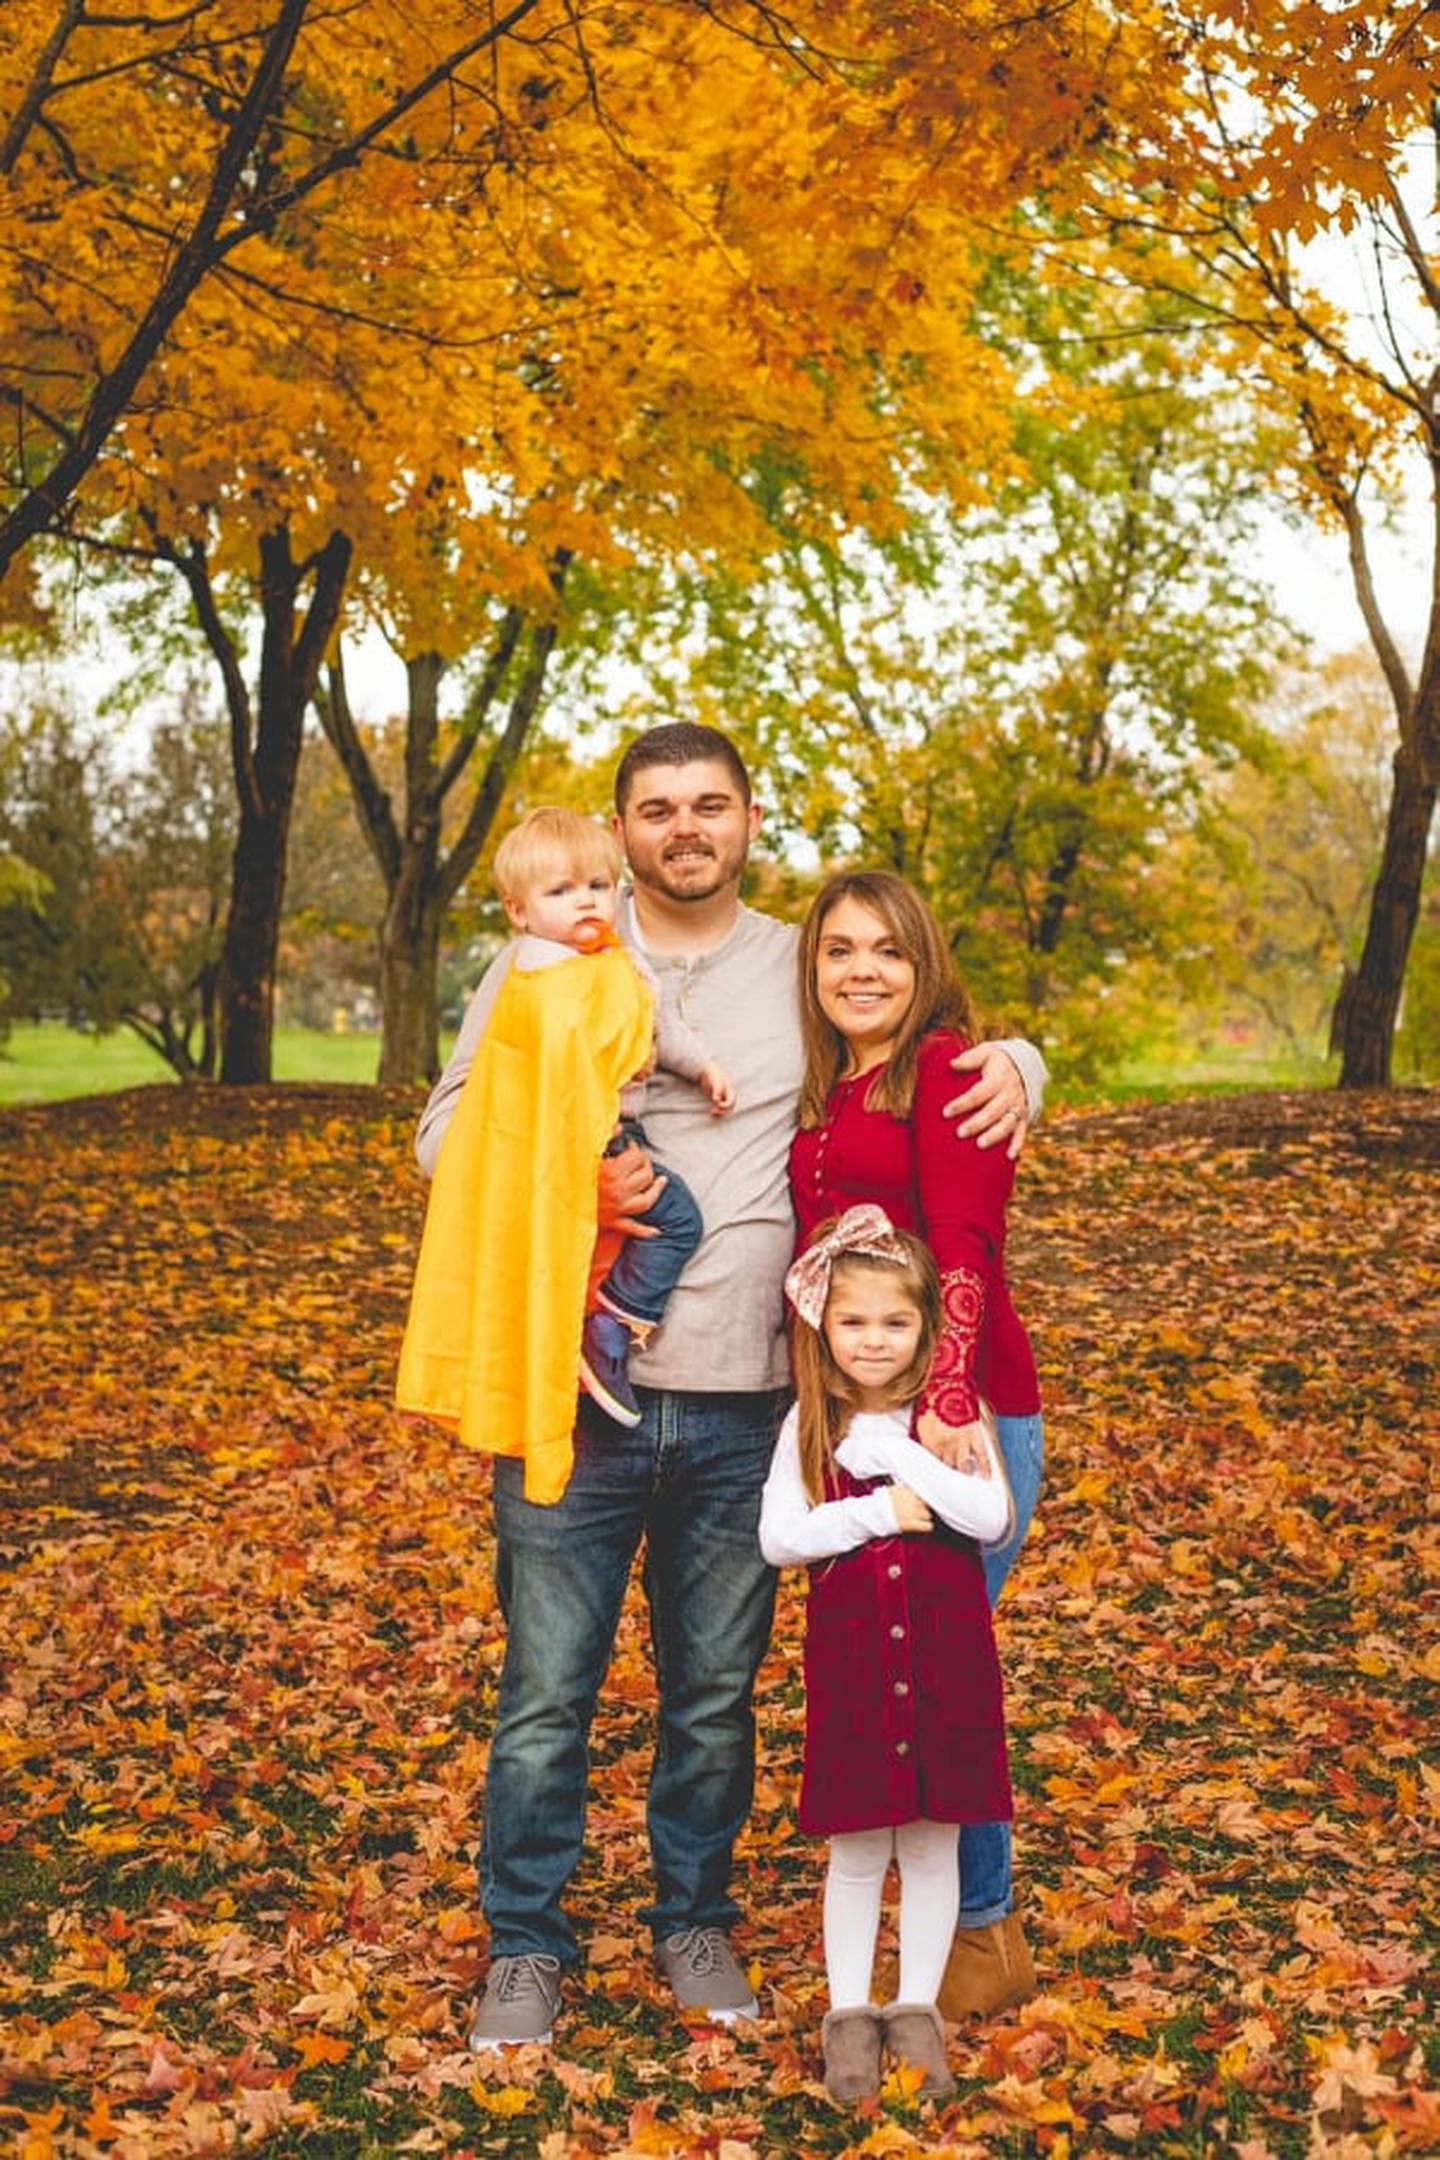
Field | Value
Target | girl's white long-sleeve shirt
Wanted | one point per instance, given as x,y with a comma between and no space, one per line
794,1530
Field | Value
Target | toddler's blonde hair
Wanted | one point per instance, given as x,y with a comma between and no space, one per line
551,837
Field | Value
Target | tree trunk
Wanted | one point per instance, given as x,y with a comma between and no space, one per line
1370,1000
209,995
409,964
252,933
1368,1005
1059,880
410,933
265,770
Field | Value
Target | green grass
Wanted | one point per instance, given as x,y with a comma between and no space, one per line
1210,1069
45,1061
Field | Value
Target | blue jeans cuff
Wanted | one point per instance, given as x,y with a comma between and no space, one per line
986,1916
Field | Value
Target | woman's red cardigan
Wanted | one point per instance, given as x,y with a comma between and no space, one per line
949,1192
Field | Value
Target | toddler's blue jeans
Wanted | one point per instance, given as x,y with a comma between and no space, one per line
647,1269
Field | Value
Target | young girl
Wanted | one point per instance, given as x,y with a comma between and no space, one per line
904,1720
884,1018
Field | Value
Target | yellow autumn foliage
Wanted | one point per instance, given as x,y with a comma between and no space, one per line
563,300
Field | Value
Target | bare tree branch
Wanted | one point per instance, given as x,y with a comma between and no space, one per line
191,564
377,815
478,705
27,112
205,247
523,706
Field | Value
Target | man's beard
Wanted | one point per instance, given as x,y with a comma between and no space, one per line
694,874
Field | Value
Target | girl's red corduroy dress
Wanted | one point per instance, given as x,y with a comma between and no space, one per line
904,1702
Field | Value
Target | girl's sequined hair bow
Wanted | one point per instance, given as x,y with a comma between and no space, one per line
866,1230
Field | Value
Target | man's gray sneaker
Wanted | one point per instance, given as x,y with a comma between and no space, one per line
701,1967
521,1997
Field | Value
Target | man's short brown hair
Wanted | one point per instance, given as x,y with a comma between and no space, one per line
678,742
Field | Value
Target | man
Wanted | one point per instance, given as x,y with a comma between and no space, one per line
712,1387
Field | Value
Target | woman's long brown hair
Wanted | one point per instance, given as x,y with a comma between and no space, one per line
940,999
824,1397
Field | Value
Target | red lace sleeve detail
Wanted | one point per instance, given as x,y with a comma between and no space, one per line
950,1390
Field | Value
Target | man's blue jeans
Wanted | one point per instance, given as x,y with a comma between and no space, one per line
986,1889
687,1480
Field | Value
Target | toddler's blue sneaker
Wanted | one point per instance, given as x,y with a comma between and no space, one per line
605,1368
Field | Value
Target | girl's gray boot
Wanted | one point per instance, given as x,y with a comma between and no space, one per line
851,2042
914,2034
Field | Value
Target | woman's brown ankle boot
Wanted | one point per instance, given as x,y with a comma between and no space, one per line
988,1969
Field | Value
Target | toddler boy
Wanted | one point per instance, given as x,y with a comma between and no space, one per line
557,874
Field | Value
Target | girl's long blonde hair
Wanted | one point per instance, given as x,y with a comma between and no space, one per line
824,1397
940,999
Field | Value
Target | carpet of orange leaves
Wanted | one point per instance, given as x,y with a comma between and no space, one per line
251,1650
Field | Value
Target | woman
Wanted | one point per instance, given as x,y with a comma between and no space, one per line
883,1016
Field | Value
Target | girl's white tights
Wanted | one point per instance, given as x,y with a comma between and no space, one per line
929,1859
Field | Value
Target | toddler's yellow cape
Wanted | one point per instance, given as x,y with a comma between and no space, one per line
493,1340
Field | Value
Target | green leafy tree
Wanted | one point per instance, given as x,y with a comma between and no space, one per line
23,888
1295,836
333,896
1253,134
61,956
1417,1046
1019,710
135,861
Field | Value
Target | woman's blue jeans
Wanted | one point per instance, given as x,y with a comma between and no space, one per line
686,1480
986,1889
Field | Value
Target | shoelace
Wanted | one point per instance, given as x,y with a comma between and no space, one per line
703,1949
519,1974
